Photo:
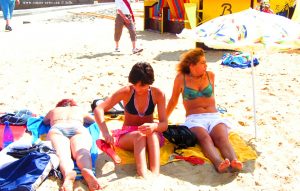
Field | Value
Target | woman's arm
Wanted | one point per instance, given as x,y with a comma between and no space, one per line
88,118
104,106
177,89
162,125
47,118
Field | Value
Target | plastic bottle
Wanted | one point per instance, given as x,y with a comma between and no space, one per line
8,136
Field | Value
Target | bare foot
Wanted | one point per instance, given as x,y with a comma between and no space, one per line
223,166
236,164
90,179
68,181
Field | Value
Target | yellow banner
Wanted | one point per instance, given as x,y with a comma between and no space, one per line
216,8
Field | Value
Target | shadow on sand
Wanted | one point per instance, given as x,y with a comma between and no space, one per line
180,170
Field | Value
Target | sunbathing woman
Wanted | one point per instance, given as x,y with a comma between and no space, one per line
71,139
197,88
140,133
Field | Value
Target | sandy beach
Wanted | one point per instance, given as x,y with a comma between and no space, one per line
69,53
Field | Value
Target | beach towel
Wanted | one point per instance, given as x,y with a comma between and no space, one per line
39,131
18,132
243,151
27,173
238,60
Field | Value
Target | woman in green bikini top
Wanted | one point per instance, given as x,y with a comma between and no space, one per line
197,88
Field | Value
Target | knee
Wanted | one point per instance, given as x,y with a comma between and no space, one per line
82,154
139,137
153,138
204,139
221,140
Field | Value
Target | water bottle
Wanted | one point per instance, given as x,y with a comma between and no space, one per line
8,136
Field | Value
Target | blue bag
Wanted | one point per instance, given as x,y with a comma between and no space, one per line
27,173
238,60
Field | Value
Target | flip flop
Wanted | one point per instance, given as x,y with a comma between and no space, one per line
191,159
105,147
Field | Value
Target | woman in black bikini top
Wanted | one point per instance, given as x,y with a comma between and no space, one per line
140,133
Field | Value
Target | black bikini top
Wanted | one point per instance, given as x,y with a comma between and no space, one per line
130,106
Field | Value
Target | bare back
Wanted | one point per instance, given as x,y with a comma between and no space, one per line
65,115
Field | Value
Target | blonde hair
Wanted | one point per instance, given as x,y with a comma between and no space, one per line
188,58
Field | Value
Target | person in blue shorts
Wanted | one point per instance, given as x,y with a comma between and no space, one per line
7,7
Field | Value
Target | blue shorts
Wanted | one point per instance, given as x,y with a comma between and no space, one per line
7,7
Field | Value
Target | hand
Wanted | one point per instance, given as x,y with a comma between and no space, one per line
147,128
17,2
108,138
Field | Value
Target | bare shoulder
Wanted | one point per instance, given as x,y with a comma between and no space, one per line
179,77
157,92
211,74
121,94
123,91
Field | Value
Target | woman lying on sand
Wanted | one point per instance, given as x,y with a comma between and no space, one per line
71,139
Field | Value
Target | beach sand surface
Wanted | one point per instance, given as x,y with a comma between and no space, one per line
53,55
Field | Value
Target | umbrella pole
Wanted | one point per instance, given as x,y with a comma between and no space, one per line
253,92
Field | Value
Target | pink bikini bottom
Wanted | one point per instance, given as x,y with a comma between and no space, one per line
127,129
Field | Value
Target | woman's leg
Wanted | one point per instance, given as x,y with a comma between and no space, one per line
81,144
136,142
219,135
62,146
209,150
5,8
154,152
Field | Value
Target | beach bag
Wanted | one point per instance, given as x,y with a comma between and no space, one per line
118,109
17,118
22,152
27,173
238,60
181,136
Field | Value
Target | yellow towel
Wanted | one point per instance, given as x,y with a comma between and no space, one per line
243,151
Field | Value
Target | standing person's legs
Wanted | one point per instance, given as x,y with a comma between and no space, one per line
119,23
5,10
81,144
132,32
11,8
62,146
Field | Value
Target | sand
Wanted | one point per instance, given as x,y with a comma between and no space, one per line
65,53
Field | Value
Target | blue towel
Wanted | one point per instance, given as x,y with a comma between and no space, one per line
39,131
238,60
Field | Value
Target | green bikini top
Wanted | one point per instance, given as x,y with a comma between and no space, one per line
190,94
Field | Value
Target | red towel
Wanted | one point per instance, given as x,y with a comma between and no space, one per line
18,131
